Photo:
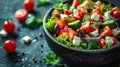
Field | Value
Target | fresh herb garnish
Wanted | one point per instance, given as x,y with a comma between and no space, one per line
61,6
102,6
42,2
92,45
52,59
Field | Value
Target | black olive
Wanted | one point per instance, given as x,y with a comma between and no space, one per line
56,29
80,33
117,22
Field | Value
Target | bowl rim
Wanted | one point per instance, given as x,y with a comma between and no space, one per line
72,48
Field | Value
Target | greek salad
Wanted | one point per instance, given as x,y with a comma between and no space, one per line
85,24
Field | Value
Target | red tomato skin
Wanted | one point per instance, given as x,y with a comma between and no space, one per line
56,14
75,3
61,23
116,14
115,41
106,31
71,34
9,26
101,42
114,9
63,32
21,14
29,5
10,46
67,12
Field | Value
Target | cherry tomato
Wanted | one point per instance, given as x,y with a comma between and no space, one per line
82,11
101,42
29,5
71,34
106,31
10,46
116,14
9,26
75,3
114,9
56,14
85,27
115,41
61,23
21,14
63,32
67,12
97,10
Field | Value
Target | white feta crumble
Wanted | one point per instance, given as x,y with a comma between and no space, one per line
76,40
95,16
3,33
98,2
109,40
107,15
95,33
26,39
116,31
63,16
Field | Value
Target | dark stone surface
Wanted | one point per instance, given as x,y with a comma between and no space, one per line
23,57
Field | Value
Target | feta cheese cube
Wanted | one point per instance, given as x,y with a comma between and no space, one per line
109,40
107,15
94,33
76,40
3,33
116,31
95,16
26,39
63,16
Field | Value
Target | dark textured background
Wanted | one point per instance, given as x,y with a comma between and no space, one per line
38,48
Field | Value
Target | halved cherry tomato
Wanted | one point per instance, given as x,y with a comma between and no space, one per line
115,41
85,27
67,12
61,23
63,32
75,3
56,14
114,9
29,5
106,31
101,42
71,34
116,14
82,11
97,10
9,26
21,14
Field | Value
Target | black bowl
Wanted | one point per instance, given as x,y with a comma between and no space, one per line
75,56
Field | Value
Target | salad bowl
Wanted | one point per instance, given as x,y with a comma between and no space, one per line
74,56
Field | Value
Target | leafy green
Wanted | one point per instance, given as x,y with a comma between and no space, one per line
52,59
102,6
42,2
90,8
109,5
61,6
86,17
83,45
81,1
50,23
110,23
90,1
58,1
64,40
92,45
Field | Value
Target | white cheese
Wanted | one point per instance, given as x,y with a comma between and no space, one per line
26,39
109,40
107,15
94,33
98,2
95,16
76,40
116,31
3,33
63,16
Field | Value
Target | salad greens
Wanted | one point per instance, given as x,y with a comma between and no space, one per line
42,2
85,24
52,59
50,23
61,6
